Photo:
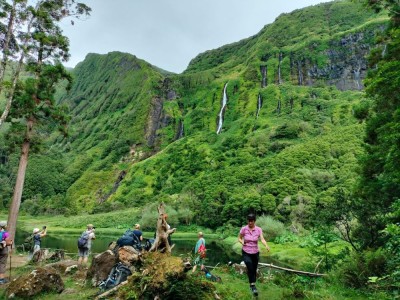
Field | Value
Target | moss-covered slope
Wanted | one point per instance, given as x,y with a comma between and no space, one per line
291,132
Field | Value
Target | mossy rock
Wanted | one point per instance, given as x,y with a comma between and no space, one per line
38,281
164,276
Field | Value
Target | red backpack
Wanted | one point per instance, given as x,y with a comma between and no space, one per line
202,251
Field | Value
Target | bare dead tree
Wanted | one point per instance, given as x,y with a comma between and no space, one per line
163,231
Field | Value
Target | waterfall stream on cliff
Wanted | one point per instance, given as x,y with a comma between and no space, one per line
221,112
259,103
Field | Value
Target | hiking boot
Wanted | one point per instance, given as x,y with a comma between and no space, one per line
253,289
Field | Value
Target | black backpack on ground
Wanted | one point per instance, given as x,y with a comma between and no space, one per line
148,243
119,273
130,239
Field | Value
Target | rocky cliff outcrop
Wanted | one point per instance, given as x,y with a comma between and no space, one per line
340,61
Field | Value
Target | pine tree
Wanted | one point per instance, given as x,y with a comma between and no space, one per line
42,46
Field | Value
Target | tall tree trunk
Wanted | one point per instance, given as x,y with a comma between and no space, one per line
19,183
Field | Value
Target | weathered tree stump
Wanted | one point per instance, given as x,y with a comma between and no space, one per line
40,255
161,242
101,267
128,255
58,255
38,281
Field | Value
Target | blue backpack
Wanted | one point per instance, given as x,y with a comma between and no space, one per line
83,240
118,274
1,238
130,239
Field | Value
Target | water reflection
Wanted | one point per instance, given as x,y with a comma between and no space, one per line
215,253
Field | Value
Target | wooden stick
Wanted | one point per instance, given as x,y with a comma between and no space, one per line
213,267
111,290
291,270
317,266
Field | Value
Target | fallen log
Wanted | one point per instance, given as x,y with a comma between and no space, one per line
291,270
111,291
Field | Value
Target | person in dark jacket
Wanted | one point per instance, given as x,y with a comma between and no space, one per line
137,232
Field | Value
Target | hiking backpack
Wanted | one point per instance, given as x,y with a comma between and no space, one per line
83,240
28,243
202,251
1,239
130,239
119,273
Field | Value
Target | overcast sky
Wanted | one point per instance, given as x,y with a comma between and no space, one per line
169,33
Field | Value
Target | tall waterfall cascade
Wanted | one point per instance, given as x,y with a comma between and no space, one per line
221,112
259,104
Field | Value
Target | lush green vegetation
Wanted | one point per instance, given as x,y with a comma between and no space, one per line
303,160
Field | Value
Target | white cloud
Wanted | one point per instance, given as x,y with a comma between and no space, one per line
169,33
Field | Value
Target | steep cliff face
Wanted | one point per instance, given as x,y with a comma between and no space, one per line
326,43
340,61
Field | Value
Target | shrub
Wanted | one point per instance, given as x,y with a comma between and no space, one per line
270,227
358,267
286,237
361,110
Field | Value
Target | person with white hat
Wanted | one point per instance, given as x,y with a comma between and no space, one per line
37,235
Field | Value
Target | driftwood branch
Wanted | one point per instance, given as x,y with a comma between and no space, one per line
317,266
111,291
291,270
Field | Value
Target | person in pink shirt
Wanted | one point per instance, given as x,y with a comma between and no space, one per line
248,237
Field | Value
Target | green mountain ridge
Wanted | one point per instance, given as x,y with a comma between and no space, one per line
140,135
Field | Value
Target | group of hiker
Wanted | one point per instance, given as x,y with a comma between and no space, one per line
249,236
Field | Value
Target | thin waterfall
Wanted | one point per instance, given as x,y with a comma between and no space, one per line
384,51
181,131
357,73
221,112
259,104
299,68
263,70
279,68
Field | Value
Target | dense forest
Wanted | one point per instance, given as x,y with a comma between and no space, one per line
309,135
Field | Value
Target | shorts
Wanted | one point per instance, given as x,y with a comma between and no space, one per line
198,260
83,252
36,248
3,263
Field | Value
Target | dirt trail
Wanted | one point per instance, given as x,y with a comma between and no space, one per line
17,260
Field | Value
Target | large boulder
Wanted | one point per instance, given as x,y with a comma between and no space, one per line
101,266
38,281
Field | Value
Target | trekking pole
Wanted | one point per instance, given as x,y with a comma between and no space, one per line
10,255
